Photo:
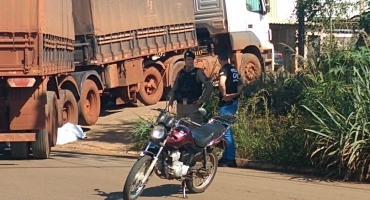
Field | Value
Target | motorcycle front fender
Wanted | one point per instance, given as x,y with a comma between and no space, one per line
150,149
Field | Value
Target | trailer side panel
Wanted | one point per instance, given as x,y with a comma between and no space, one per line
109,31
36,38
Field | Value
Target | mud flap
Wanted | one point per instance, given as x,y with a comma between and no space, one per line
25,104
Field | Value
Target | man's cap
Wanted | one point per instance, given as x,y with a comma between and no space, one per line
223,54
189,54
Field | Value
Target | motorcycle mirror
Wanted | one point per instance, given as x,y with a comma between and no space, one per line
202,112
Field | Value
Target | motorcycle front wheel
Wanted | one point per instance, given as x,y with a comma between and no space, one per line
134,186
196,186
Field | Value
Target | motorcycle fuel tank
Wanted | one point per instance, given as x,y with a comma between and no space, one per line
180,136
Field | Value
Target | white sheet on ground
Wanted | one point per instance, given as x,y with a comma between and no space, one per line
69,133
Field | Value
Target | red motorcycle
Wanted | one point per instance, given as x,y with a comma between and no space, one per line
177,152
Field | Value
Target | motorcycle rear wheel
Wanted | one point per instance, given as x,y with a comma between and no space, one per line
136,174
193,187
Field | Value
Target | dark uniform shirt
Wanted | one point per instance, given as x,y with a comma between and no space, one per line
200,77
232,82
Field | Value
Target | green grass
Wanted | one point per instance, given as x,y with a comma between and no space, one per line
141,135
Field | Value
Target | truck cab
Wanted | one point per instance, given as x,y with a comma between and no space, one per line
242,26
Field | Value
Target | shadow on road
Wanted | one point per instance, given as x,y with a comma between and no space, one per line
112,108
303,176
162,191
70,154
118,133
313,178
109,196
158,191
6,155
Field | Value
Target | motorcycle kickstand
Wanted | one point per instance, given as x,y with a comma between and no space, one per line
183,185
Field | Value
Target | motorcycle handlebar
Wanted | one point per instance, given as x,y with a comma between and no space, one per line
190,121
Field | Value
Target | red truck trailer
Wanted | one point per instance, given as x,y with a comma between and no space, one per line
36,52
61,59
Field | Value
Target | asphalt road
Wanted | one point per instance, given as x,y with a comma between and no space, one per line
78,176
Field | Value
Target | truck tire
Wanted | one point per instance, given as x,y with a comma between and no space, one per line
46,138
89,104
68,109
19,150
151,89
250,69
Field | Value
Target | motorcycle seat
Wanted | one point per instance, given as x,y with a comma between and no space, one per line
228,118
206,133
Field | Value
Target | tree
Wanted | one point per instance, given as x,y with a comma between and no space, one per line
364,25
323,15
306,11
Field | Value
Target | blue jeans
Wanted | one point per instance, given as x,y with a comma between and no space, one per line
230,151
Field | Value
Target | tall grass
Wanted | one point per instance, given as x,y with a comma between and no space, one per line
267,128
141,133
340,129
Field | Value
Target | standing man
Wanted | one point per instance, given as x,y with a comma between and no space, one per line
230,86
187,90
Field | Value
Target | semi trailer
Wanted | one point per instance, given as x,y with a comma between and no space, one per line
61,60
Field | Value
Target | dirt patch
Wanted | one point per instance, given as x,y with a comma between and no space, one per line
111,132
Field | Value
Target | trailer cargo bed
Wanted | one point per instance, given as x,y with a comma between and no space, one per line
114,30
36,37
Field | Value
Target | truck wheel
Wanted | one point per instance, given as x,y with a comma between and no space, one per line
19,150
46,138
151,89
68,109
89,104
250,68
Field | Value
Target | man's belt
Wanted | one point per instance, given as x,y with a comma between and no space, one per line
185,101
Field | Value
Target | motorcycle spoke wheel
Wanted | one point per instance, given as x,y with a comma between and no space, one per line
138,185
200,181
134,185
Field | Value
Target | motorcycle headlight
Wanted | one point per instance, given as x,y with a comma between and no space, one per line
158,132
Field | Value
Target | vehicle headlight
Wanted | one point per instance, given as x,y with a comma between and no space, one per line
158,132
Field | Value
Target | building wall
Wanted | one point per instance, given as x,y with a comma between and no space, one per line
284,34
283,27
281,11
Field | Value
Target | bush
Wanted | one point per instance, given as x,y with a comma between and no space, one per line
141,135
340,109
267,128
